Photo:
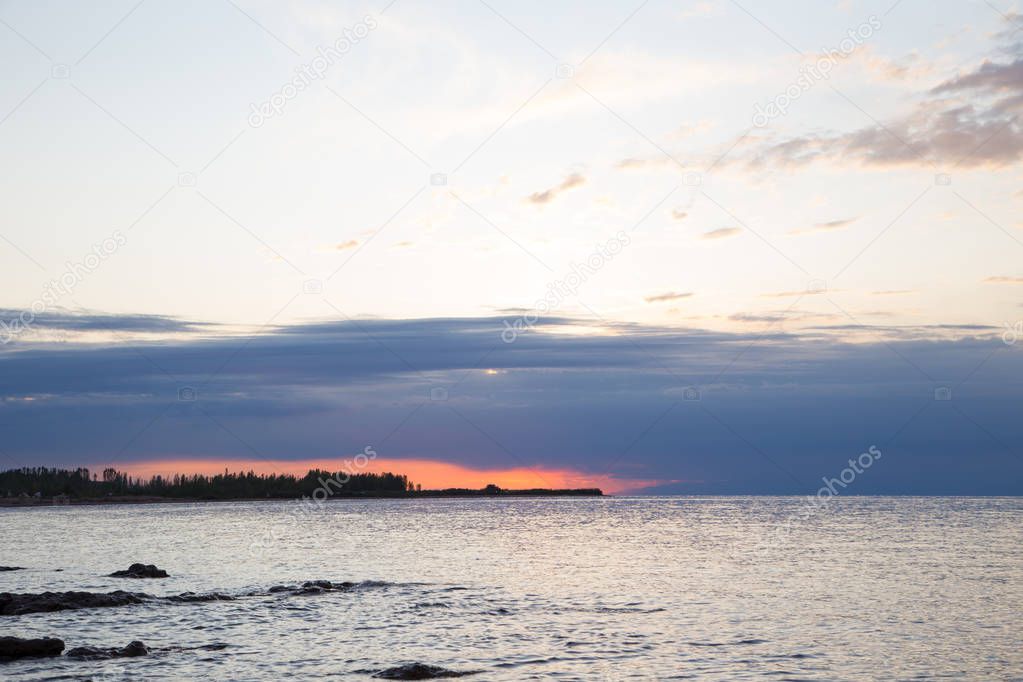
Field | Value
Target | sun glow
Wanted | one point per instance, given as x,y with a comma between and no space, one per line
431,474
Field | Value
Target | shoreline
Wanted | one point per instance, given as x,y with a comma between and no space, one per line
32,503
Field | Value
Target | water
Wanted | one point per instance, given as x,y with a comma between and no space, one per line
552,588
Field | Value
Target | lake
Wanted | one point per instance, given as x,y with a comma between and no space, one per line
617,588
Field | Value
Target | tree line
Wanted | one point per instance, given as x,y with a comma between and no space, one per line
81,483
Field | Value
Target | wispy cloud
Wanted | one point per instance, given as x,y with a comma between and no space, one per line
669,296
350,244
892,292
678,214
909,66
775,316
721,233
1001,279
548,195
633,163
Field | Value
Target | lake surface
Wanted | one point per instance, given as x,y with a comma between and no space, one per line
719,588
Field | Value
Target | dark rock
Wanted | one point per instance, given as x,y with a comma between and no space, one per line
12,604
140,571
45,602
312,587
420,671
188,597
95,653
324,584
11,568
15,647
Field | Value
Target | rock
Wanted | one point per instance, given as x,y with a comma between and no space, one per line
11,568
140,571
312,587
94,653
188,597
420,671
134,649
12,604
45,602
15,647
323,584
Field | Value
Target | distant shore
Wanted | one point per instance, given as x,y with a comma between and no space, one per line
41,486
420,494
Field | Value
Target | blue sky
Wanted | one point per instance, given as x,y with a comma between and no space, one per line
333,265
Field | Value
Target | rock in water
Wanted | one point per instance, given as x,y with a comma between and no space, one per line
45,602
420,671
15,647
313,587
96,653
140,571
191,597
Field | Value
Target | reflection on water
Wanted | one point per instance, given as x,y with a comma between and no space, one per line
569,589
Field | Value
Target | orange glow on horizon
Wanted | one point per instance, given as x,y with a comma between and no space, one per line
431,474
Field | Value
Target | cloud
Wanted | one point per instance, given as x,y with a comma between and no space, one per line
892,292
670,296
828,226
1004,280
969,120
548,195
989,78
758,317
908,67
775,316
721,233
350,244
961,135
99,322
319,390
678,214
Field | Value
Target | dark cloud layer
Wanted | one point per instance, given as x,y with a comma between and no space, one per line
85,322
776,412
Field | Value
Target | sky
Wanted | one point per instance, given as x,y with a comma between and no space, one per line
659,247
